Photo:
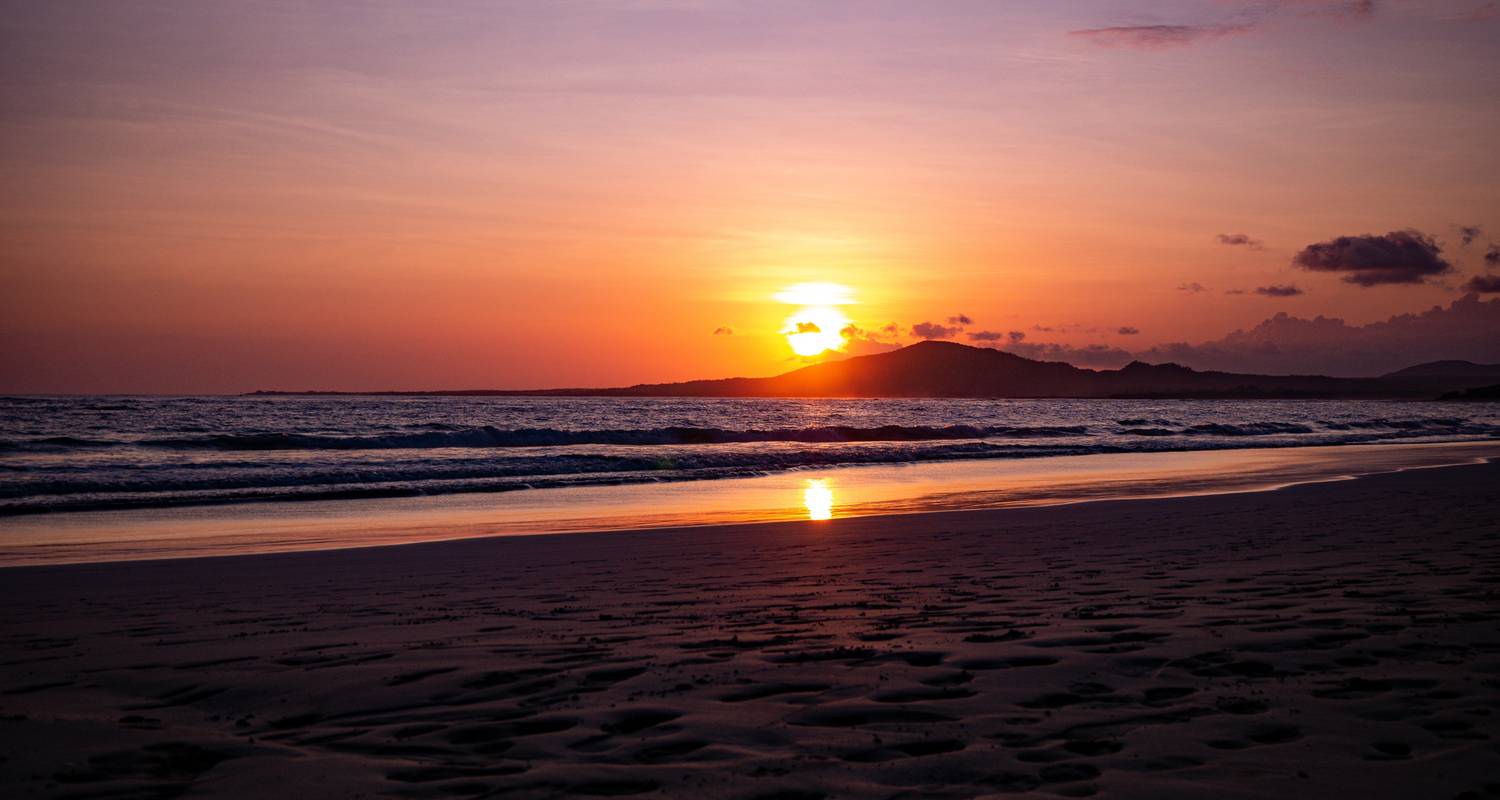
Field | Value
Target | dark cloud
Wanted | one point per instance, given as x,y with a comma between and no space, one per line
860,342
1468,233
1492,256
1397,257
1193,287
890,330
960,319
1017,336
723,330
1288,290
1234,291
932,330
1126,330
1240,240
1469,328
808,327
1488,284
1159,37
986,336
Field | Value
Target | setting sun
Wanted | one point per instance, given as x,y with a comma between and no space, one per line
814,330
818,325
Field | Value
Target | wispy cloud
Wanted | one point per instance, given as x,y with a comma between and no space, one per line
1160,37
1240,240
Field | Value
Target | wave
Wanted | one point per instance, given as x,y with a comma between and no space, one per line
171,486
553,437
1248,429
431,436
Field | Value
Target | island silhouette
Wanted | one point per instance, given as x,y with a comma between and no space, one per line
947,369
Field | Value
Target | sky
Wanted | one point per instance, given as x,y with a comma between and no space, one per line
209,197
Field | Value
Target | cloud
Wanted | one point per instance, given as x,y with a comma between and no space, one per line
860,342
1488,284
932,330
1468,233
1159,37
960,319
1469,328
1234,291
1334,9
808,327
1126,330
1289,290
1407,256
987,336
1164,36
1193,287
1492,256
1240,240
723,330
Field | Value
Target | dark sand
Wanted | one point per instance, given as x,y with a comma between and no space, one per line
1329,640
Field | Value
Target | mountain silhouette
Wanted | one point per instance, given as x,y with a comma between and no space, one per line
947,369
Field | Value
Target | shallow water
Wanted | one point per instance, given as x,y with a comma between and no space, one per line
70,454
812,495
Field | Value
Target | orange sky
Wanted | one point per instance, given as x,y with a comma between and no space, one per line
353,195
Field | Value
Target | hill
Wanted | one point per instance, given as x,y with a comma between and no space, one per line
947,369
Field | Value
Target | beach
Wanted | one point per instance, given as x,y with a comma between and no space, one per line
1320,640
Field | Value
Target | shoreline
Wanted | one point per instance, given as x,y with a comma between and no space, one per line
1323,639
848,492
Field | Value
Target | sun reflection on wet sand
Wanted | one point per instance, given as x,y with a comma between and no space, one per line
272,527
818,497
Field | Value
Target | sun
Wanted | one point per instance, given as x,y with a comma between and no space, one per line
815,329
818,325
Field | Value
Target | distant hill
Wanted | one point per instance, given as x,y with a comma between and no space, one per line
1447,369
947,369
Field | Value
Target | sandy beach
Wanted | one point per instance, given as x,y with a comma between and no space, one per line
1323,640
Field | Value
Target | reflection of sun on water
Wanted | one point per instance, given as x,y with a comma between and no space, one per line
818,497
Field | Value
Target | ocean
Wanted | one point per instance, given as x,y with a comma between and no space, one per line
61,454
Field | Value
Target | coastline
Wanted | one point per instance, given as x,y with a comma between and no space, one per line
1317,640
841,492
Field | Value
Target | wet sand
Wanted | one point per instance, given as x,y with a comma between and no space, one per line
849,491
1327,640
